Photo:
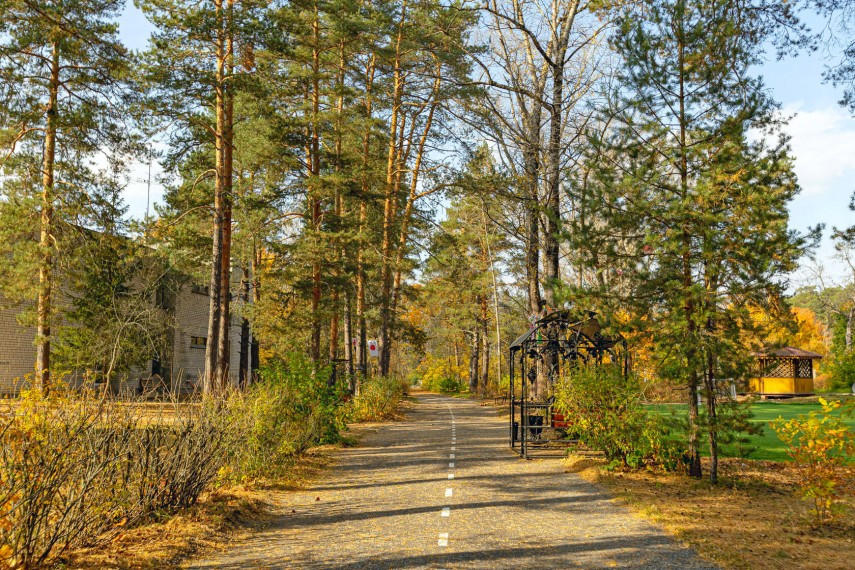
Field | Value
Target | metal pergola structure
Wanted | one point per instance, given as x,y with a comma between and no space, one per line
556,344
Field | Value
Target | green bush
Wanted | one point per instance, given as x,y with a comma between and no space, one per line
289,409
377,400
606,414
443,385
842,373
76,469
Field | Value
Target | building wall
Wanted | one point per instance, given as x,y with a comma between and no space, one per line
17,353
191,316
186,364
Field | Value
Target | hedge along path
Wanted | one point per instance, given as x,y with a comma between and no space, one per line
382,506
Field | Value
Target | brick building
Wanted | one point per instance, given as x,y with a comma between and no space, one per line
180,370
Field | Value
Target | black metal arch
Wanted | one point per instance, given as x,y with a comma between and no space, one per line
555,344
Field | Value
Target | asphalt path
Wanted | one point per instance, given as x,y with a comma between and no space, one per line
442,490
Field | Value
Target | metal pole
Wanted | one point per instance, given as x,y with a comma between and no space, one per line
511,396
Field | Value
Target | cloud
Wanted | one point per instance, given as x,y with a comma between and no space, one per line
823,141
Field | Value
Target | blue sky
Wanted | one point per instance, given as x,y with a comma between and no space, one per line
822,139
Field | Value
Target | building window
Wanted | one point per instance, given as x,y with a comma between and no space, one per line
200,289
198,341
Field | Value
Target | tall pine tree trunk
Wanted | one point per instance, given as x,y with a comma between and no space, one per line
243,365
313,165
689,303
43,307
361,332
224,336
485,348
210,380
390,206
474,348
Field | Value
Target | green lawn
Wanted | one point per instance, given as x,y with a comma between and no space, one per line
767,445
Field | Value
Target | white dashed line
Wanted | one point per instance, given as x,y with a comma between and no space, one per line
448,492
453,448
451,475
451,456
443,539
451,465
446,512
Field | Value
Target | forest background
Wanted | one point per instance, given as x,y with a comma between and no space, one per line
429,175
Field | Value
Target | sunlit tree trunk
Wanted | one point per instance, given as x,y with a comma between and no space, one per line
43,308
390,205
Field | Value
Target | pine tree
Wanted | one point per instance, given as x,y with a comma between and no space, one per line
687,215
61,71
201,55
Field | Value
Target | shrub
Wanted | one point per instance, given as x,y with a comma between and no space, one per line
842,372
822,446
606,413
289,409
377,400
441,375
74,469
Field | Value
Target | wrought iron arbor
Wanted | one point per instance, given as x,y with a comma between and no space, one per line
555,345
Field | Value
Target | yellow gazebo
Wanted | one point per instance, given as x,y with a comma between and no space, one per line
784,371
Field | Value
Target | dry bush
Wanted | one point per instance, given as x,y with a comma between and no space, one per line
75,469
378,399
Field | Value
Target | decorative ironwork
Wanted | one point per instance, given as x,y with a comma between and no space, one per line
555,345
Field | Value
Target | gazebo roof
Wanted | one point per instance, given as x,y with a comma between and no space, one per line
787,352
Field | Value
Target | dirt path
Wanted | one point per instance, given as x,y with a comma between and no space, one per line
442,490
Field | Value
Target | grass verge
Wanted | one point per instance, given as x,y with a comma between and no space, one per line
766,445
751,519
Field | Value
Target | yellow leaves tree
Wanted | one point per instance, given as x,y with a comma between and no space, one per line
805,331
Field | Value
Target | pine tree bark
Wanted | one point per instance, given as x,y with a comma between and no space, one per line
43,306
695,469
485,341
474,348
361,332
223,335
313,165
390,205
210,380
243,365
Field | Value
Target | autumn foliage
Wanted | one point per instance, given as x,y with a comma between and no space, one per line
822,446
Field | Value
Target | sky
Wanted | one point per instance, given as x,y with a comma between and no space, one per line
822,140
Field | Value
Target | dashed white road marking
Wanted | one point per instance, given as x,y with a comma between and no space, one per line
443,539
446,511
451,465
448,492
453,448
451,456
451,475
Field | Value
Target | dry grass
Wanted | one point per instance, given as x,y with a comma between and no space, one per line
751,519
